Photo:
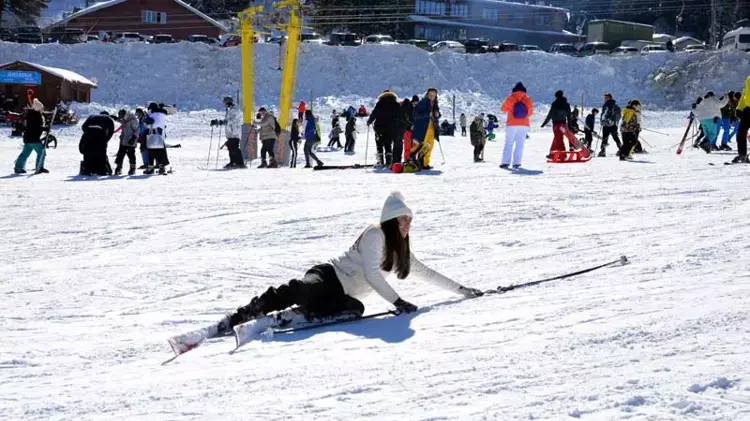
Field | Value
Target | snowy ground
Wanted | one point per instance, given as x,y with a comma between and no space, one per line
97,273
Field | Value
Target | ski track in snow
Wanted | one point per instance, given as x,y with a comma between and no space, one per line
97,273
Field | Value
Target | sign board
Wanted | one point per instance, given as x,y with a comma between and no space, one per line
21,77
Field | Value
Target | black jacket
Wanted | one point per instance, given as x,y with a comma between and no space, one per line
97,130
387,115
34,127
351,124
294,135
559,111
408,109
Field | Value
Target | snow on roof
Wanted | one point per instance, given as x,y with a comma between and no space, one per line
425,19
68,75
527,5
110,3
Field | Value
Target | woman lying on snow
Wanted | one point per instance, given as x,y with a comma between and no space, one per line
335,288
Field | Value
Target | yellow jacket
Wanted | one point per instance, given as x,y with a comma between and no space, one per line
745,98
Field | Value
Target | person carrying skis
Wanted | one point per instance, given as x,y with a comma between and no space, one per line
267,129
588,128
478,137
630,127
708,113
128,139
350,129
425,133
462,122
233,131
611,114
743,114
336,288
389,129
559,114
519,108
311,138
97,130
294,141
32,139
156,133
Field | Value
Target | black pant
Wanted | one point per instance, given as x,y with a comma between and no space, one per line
349,145
742,132
159,156
293,145
318,294
606,132
235,154
125,150
463,130
588,138
478,151
629,141
383,144
309,146
300,115
269,147
335,140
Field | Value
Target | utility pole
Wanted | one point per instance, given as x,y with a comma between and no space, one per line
713,29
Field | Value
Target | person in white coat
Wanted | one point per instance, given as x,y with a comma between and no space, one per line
156,133
336,287
708,113
233,130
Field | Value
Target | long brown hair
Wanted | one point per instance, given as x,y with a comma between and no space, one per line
396,250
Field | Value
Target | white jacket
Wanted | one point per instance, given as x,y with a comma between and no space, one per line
359,268
234,123
710,107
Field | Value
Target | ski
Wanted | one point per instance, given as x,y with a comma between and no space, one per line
341,167
45,142
685,136
188,341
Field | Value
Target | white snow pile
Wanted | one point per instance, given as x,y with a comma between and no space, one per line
196,76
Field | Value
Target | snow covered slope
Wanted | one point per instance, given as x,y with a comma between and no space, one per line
197,76
98,273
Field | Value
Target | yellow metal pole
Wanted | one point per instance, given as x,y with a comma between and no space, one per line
248,62
289,74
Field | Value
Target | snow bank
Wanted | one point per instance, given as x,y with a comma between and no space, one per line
196,76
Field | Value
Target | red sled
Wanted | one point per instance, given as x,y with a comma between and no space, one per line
569,157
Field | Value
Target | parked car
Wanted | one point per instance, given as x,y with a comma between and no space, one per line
654,49
379,39
477,45
531,48
567,49
344,38
162,39
232,41
312,38
423,44
69,36
594,48
625,51
504,47
276,39
695,48
127,37
199,38
454,46
29,34
7,35
92,38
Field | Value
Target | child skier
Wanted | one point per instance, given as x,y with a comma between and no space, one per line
478,137
519,108
335,133
588,128
128,139
630,127
351,128
462,122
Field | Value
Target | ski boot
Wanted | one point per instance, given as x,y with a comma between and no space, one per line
741,159
19,171
263,164
272,163
118,170
149,170
162,170
705,146
41,171
379,161
131,171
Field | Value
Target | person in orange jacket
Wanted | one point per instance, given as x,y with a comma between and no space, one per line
301,110
519,108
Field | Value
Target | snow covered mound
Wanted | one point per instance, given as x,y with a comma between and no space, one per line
196,76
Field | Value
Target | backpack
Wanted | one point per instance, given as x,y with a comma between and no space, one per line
277,127
520,110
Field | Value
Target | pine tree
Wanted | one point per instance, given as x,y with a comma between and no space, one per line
23,9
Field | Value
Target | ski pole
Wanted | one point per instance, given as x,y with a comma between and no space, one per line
654,131
644,141
218,148
210,146
441,151
367,143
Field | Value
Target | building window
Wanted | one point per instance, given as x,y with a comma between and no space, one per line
425,7
542,20
460,10
490,14
149,16
515,19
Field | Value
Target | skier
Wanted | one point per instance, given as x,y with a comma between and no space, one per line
233,131
708,113
630,127
388,117
335,135
351,127
336,288
301,111
97,130
588,128
462,122
267,132
491,128
729,121
560,115
519,108
32,139
743,113
128,139
610,118
156,132
425,133
294,141
311,138
478,137
142,138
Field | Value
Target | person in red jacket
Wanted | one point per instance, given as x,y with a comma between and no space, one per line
519,108
301,110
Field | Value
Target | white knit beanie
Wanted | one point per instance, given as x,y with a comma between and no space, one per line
394,207
37,105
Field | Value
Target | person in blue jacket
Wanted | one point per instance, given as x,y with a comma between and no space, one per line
426,129
311,136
